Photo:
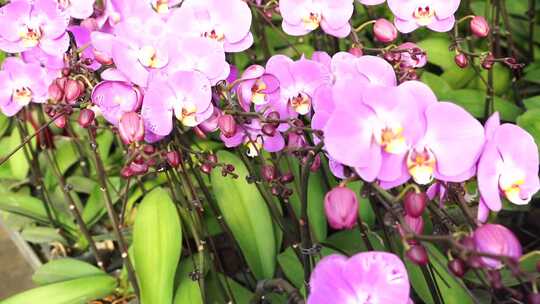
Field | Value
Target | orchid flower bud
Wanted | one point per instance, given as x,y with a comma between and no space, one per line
341,208
173,158
227,125
499,240
131,128
384,31
461,60
479,26
72,91
415,203
418,255
86,117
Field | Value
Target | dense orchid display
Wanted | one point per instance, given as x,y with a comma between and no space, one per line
290,137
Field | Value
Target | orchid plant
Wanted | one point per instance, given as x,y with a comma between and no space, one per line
272,151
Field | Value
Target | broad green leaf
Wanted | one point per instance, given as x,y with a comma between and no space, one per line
532,102
41,235
365,210
436,83
104,141
25,205
188,290
452,290
64,270
316,194
157,243
457,77
438,52
474,102
82,184
532,76
247,215
4,124
18,162
351,241
95,205
530,121
215,293
292,267
501,79
78,291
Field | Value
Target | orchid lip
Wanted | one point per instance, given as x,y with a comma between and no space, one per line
254,147
30,35
161,6
424,15
214,34
312,21
258,96
22,95
390,137
149,58
301,103
510,183
187,114
421,165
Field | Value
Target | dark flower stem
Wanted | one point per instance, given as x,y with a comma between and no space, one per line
102,179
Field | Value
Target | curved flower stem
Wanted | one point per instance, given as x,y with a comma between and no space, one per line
102,179
364,25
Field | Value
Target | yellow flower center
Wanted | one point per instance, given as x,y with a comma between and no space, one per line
214,35
312,20
421,166
254,147
187,114
510,183
30,35
22,95
161,6
149,58
257,96
301,103
424,15
390,137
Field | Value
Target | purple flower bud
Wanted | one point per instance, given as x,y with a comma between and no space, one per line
356,51
269,130
212,159
414,224
457,267
138,168
316,164
149,149
533,298
499,240
479,26
269,172
274,115
131,128
461,60
56,92
287,178
341,208
418,255
227,125
86,118
126,172
72,90
211,124
61,121
488,62
384,31
173,158
415,203
206,168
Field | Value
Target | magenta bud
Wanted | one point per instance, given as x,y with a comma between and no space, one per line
356,51
61,121
212,159
479,26
131,128
418,255
414,225
199,132
499,240
457,267
269,173
461,60
72,90
102,58
56,92
488,62
206,168
384,31
173,158
287,178
533,298
269,130
275,117
86,118
126,172
138,168
316,164
227,125
415,203
149,149
341,208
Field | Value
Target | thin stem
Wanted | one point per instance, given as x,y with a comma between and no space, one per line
102,179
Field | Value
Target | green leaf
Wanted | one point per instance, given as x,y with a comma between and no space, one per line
436,83
532,102
64,270
292,267
365,210
188,290
78,291
157,240
42,235
18,163
23,204
474,102
530,121
82,184
215,293
247,215
438,52
452,290
351,241
4,124
95,205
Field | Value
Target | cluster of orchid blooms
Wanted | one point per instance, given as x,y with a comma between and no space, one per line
155,65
